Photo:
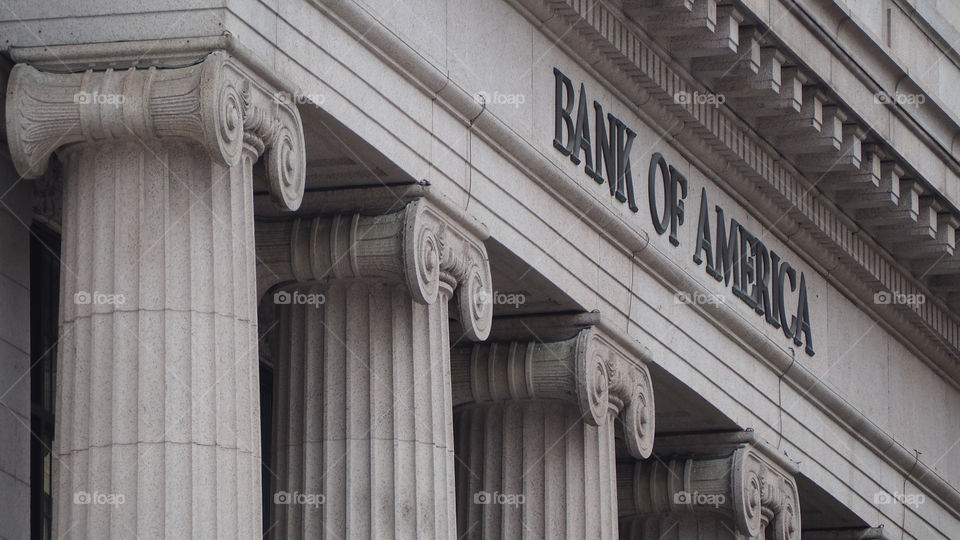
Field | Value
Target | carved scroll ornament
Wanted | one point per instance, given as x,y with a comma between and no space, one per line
418,245
588,370
214,103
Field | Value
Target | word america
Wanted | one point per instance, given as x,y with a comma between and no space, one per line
735,256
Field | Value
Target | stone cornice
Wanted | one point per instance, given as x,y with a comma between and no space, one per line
588,370
846,36
765,179
418,245
215,103
159,53
743,485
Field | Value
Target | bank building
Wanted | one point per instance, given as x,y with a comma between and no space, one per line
480,269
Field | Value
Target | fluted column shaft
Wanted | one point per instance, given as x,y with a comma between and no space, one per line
157,429
368,437
678,527
534,469
298,421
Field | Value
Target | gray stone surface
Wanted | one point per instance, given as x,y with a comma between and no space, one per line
535,426
364,438
405,83
157,403
158,426
366,430
15,435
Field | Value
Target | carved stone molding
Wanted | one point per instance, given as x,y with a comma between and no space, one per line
744,487
419,246
215,103
796,115
588,370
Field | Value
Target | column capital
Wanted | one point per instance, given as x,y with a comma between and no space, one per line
747,487
588,370
418,245
216,103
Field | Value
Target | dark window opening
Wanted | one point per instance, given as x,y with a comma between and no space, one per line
266,438
44,307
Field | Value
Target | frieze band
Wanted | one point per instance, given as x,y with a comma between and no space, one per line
758,274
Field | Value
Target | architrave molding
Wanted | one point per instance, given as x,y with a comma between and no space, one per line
755,170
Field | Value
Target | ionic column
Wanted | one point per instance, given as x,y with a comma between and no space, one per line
729,493
157,429
365,370
535,426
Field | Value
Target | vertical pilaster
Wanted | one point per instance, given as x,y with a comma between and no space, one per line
157,427
535,426
366,370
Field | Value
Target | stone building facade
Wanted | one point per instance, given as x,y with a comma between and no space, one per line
515,269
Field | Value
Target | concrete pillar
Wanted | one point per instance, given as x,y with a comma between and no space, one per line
726,490
535,426
367,449
157,427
